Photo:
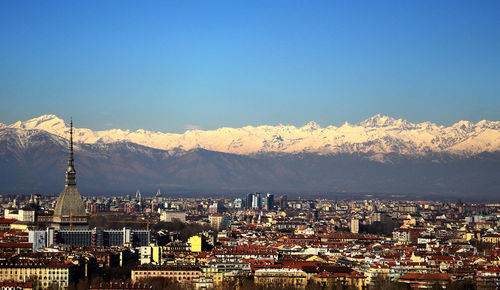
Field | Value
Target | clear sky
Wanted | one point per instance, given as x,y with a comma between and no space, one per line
171,65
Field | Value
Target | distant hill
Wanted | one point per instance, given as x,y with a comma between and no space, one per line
34,160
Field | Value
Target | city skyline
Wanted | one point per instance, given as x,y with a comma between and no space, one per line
174,66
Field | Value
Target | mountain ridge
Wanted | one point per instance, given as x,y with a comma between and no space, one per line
376,135
33,160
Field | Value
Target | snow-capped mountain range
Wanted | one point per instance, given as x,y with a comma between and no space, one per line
377,136
380,154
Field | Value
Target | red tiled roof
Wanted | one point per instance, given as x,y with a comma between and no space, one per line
428,276
16,245
16,284
492,236
492,269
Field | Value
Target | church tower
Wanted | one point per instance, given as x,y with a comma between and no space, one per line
70,209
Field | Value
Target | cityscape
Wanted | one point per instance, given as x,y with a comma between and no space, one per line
249,145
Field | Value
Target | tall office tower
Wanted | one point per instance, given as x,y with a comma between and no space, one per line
257,200
283,201
269,201
248,203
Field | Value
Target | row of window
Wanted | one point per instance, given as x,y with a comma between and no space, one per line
167,273
176,278
60,271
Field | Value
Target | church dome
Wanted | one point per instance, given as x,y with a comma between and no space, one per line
70,202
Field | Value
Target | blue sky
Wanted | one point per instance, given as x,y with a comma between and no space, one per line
168,65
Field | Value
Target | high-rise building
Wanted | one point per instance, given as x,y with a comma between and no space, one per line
70,209
257,200
138,196
354,226
220,221
380,217
269,201
283,201
248,203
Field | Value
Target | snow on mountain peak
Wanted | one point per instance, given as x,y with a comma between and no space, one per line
311,126
380,134
380,121
463,124
43,122
489,124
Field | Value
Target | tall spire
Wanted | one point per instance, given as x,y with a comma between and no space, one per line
70,171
